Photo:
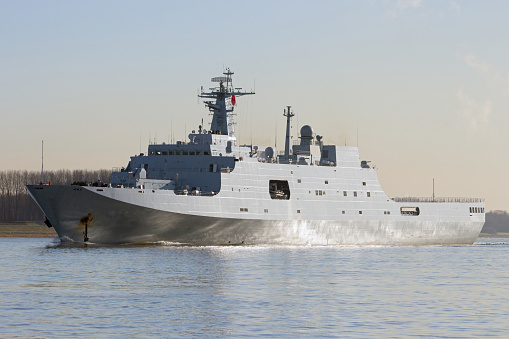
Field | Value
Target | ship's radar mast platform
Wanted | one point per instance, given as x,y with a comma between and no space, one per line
222,108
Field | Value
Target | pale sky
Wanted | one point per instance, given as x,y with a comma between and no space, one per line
422,85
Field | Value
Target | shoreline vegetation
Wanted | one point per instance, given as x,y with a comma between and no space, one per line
26,230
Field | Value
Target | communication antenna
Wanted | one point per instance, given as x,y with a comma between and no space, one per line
433,189
275,135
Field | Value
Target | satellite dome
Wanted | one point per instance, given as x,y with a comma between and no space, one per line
306,132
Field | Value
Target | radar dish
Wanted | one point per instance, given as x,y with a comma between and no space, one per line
306,132
219,79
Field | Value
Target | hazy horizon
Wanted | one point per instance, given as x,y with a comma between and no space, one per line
421,86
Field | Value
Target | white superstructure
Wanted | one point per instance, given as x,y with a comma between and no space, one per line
212,191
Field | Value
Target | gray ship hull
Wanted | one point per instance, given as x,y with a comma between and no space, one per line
71,209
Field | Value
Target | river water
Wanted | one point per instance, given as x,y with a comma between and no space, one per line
161,291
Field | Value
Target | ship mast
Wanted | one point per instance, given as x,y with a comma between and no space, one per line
222,108
288,114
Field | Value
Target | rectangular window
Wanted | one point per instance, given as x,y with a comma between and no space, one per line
410,211
206,153
265,211
165,153
279,189
298,211
243,209
178,153
342,212
363,183
316,192
326,182
344,193
191,153
360,212
184,153
172,153
298,181
368,194
354,194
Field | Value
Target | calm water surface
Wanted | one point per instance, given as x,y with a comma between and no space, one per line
51,291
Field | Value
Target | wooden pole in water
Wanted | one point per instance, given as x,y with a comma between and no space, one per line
42,162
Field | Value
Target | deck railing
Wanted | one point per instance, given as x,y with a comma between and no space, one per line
430,199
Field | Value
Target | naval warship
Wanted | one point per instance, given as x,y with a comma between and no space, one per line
210,190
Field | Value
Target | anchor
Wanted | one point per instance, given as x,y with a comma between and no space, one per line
86,220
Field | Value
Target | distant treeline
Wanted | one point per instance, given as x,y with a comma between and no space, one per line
17,205
496,222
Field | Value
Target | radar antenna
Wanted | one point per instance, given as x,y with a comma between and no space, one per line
222,104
